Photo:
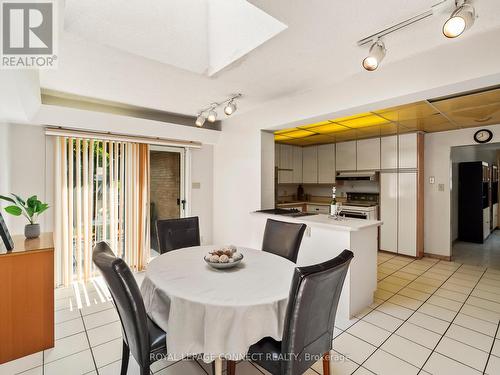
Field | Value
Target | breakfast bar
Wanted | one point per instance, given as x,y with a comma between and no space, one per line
324,239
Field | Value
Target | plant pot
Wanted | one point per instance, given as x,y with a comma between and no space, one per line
32,231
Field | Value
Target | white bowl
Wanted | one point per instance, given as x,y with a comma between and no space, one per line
224,265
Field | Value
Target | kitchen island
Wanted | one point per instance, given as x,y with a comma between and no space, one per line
324,239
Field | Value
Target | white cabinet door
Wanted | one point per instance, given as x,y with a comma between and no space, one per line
486,222
408,154
389,152
326,164
368,154
297,165
389,211
310,165
285,175
345,156
407,209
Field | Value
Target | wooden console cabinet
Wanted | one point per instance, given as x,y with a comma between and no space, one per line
27,297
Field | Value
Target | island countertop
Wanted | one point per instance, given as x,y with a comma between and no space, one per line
326,221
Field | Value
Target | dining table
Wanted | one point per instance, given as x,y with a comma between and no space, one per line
217,313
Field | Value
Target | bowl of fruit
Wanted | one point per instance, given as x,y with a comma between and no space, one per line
227,257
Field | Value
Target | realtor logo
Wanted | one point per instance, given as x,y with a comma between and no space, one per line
28,34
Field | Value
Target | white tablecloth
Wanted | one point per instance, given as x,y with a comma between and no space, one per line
217,312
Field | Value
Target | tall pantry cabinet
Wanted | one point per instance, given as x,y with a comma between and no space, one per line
401,194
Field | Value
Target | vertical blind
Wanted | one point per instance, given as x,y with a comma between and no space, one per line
102,190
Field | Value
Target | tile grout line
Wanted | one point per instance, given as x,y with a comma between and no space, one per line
451,323
88,341
491,349
404,321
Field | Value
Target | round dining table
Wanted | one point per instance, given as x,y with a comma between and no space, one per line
217,313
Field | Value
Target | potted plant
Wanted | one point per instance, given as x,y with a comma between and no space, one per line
30,209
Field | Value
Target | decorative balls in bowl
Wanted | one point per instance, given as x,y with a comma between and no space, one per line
227,257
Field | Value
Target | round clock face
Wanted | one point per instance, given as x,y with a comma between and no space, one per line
483,136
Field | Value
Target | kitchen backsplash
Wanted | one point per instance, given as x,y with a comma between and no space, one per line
289,190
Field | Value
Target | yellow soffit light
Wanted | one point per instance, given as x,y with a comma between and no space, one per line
279,137
298,134
364,122
327,129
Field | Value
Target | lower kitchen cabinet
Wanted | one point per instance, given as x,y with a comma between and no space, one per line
319,209
398,211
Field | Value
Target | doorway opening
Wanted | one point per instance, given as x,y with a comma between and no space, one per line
167,193
474,205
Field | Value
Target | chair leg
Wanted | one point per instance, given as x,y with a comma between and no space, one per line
326,363
231,367
125,357
145,371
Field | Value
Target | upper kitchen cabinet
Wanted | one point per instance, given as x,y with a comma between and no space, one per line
368,154
345,156
297,165
286,157
408,151
389,152
310,165
326,163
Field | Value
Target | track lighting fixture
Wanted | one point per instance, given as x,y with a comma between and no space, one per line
461,19
375,56
230,107
210,114
200,120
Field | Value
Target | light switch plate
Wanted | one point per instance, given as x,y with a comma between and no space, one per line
440,187
432,180
196,185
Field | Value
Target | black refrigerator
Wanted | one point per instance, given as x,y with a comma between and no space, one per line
473,201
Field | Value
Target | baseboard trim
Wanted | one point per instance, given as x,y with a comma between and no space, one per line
436,256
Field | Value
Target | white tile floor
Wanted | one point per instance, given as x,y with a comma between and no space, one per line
429,317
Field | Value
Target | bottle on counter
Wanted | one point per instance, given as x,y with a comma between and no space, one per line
333,204
300,193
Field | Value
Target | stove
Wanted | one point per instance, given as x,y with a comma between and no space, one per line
360,206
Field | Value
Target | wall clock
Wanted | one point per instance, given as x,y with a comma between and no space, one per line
483,136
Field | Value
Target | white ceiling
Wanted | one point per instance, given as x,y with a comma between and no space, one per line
317,51
202,36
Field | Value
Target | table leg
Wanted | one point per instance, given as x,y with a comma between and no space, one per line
218,366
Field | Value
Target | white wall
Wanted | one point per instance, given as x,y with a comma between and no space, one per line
267,170
202,168
438,234
4,166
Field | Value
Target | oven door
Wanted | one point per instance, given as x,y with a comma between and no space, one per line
354,214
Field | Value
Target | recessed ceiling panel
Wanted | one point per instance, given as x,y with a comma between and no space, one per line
468,101
328,129
479,116
407,112
364,121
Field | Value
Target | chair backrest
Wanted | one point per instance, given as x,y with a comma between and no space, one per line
178,233
283,239
128,300
312,306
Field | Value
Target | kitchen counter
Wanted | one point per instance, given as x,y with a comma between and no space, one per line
327,221
324,239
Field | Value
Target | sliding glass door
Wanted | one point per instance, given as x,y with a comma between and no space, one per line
167,187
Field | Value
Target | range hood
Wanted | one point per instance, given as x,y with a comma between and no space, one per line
356,176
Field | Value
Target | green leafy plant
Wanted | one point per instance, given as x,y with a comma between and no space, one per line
30,208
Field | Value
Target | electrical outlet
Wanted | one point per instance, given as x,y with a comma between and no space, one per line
308,231
440,187
432,180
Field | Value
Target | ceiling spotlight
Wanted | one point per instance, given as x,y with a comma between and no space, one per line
461,19
375,56
212,115
200,120
230,108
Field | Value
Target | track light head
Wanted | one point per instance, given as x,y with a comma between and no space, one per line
200,120
230,107
461,19
375,56
212,115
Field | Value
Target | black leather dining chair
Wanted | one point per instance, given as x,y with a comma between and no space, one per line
310,317
283,239
178,233
141,335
